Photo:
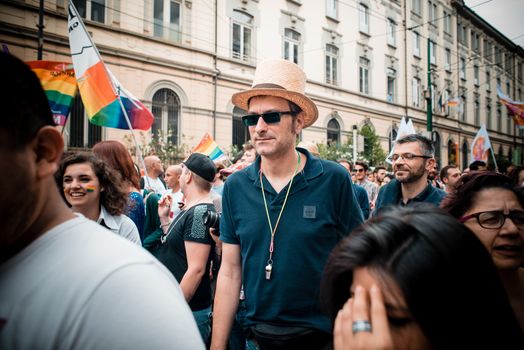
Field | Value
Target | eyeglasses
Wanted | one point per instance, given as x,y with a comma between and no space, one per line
269,117
358,170
406,156
496,219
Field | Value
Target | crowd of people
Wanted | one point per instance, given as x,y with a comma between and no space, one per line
279,250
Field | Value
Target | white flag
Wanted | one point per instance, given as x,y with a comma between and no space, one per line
405,128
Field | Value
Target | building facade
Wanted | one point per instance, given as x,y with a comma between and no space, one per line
367,63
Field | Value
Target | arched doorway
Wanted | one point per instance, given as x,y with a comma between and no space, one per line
465,162
333,131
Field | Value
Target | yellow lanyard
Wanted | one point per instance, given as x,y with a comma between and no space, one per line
269,266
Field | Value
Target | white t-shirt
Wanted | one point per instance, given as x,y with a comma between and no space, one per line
77,287
154,184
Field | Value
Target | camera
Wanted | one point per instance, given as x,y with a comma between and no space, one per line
212,220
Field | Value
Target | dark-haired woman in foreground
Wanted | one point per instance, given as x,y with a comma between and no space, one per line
417,279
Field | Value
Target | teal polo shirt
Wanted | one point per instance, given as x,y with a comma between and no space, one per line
321,209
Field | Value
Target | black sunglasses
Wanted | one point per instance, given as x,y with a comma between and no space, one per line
269,117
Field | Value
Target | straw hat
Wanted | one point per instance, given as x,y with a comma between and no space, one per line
280,78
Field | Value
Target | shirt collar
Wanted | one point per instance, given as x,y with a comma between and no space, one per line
312,169
107,220
421,197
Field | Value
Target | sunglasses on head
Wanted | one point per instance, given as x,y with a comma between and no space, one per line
268,117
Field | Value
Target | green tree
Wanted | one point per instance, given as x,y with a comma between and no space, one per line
373,151
159,145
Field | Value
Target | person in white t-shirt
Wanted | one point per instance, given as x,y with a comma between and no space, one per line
172,178
152,181
65,283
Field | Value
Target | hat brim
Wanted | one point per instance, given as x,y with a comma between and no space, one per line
241,100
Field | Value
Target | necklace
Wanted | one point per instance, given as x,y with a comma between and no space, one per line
163,238
269,266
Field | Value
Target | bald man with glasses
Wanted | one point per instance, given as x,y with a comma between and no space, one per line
412,159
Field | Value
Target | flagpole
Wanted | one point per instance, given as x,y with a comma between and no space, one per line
494,160
138,151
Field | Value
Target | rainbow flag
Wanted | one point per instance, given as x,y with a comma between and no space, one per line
515,108
209,147
59,83
99,88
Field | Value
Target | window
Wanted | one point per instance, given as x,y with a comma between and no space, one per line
332,8
166,20
519,94
447,22
498,56
445,97
432,52
416,44
391,32
415,7
432,13
333,132
391,85
488,80
82,134
475,42
476,78
508,92
462,69
447,60
415,92
434,102
92,10
331,64
242,35
462,31
240,132
392,137
476,109
519,71
364,75
291,45
488,113
488,50
166,109
363,18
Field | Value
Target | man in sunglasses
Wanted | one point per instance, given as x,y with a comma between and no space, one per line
413,159
281,219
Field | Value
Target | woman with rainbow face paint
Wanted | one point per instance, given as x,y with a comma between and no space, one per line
97,192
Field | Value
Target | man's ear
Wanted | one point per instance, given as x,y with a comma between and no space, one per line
299,122
430,164
48,148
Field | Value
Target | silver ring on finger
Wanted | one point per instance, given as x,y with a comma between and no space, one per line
361,326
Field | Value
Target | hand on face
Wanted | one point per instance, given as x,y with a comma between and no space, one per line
357,309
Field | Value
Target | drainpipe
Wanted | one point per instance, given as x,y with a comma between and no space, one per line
216,73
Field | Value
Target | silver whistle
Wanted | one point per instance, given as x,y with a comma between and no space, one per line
269,267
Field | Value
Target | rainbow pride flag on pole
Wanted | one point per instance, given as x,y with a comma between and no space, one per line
209,147
59,83
101,92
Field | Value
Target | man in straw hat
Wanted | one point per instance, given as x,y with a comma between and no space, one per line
280,219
